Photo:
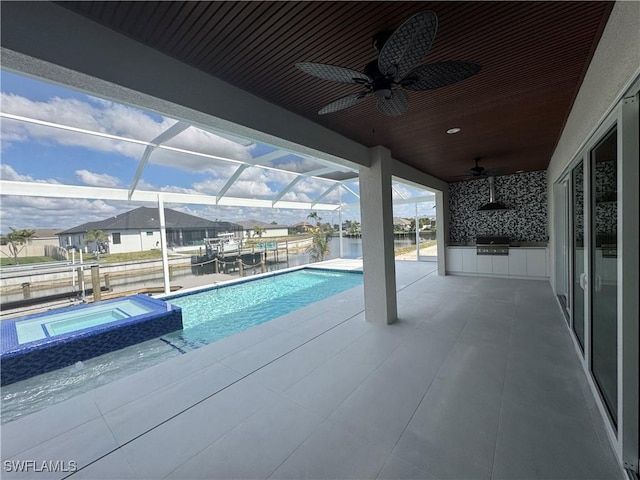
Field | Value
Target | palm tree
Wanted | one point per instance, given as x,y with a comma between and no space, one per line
315,216
258,231
97,237
16,240
319,247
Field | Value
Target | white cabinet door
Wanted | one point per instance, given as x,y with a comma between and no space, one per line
517,261
485,264
469,260
454,259
501,264
537,263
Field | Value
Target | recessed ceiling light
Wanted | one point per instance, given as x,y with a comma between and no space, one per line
451,131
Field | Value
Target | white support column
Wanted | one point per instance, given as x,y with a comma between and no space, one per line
442,227
163,245
340,227
417,235
376,207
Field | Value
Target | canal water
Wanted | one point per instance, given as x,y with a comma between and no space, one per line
351,248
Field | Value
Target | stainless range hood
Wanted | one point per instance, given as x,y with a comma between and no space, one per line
493,204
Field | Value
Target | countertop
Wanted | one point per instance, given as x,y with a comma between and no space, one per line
511,245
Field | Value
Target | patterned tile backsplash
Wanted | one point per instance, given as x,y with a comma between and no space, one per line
525,196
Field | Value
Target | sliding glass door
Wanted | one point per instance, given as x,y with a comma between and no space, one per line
596,211
604,270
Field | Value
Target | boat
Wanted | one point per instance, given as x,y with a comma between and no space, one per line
223,244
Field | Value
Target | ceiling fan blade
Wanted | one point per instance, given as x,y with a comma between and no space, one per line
333,73
493,171
408,45
396,105
342,103
440,74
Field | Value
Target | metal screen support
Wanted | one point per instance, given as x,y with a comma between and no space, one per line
165,136
163,245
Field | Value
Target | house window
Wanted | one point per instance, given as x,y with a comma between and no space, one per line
149,234
116,239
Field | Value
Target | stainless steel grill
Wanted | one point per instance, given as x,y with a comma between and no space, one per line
487,245
609,250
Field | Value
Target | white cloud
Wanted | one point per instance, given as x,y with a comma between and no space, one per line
114,119
97,179
40,212
7,172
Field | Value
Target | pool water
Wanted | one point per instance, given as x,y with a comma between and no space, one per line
208,316
221,312
61,323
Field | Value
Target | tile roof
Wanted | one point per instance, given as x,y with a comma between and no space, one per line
148,218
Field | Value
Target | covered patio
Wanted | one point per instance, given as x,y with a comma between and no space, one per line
417,374
477,379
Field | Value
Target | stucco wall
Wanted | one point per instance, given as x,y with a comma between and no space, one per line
615,64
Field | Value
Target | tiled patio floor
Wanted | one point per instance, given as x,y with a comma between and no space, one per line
478,379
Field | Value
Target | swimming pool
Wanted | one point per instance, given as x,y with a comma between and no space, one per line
47,341
219,312
208,315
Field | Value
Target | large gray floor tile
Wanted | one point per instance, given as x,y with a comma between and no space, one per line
454,430
83,445
325,388
112,467
163,449
155,378
27,432
488,330
259,354
333,453
381,407
398,469
533,444
135,418
240,341
256,447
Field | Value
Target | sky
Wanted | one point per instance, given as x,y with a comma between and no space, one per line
44,154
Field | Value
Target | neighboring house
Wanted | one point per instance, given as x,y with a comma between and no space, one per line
302,227
270,229
45,236
139,230
44,242
401,224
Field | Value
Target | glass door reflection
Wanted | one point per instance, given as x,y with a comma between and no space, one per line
578,276
604,277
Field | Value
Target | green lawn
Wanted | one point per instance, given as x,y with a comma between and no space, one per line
411,248
124,257
24,260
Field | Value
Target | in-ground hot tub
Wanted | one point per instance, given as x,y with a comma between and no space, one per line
47,341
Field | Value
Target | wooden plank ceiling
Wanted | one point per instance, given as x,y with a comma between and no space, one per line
533,56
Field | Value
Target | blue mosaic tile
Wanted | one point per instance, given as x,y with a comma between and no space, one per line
20,361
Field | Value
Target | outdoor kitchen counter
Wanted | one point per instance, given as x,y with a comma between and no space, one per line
511,245
525,260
